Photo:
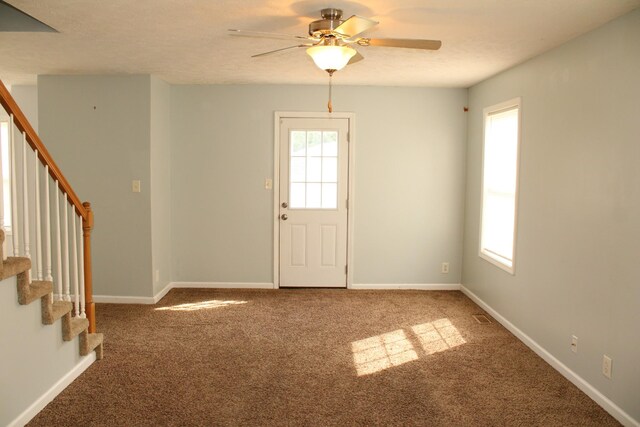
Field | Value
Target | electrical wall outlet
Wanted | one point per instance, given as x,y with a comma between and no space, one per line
445,268
574,343
606,366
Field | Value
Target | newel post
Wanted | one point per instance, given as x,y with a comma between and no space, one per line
87,226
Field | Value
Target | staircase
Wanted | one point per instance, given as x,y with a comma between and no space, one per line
30,291
62,234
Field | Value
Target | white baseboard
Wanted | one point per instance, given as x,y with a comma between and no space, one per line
416,286
576,379
223,285
114,299
157,297
50,394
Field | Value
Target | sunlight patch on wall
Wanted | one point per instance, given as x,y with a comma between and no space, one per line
382,352
203,305
438,336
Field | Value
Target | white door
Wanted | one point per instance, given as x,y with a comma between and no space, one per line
313,202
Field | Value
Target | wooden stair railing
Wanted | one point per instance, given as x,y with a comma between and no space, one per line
82,209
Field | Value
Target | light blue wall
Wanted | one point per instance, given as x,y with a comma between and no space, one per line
97,129
216,222
409,180
578,244
34,356
26,96
160,163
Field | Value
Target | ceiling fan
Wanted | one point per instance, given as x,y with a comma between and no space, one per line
331,40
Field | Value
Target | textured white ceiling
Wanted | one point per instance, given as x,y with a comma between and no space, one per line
186,41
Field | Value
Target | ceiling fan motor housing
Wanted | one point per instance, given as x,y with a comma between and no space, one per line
329,22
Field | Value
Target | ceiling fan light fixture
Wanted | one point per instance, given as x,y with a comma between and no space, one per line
331,58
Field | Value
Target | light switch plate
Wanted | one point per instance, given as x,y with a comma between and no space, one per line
135,186
268,183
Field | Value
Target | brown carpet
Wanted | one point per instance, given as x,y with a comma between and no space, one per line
314,358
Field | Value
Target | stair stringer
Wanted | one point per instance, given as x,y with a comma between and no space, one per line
29,291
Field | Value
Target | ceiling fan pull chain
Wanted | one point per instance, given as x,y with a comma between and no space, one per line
330,105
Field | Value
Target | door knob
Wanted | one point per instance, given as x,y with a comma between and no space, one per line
284,217
285,204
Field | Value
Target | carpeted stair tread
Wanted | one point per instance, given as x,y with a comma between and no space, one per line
73,326
12,266
90,342
52,311
33,291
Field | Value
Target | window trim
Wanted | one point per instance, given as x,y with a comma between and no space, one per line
8,229
496,259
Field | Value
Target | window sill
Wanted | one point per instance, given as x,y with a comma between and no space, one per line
497,262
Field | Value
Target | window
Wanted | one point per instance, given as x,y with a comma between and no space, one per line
6,174
500,184
314,169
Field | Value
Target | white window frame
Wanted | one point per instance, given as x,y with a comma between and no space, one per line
492,258
8,228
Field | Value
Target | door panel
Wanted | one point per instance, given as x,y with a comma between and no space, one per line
328,243
313,202
298,245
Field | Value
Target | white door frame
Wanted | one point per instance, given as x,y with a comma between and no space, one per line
276,186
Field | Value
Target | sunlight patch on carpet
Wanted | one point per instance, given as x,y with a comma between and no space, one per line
437,336
202,305
384,351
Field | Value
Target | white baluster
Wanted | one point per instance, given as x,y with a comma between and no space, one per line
25,197
59,245
67,297
47,223
36,169
75,267
81,269
14,192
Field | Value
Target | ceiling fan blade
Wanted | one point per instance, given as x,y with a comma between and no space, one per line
407,43
355,58
355,25
279,50
245,33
